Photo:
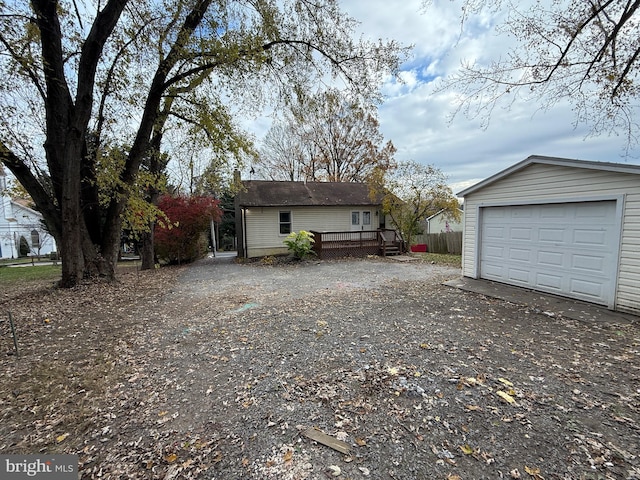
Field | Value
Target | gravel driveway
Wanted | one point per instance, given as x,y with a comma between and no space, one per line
220,370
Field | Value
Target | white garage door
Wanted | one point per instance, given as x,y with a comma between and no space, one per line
569,249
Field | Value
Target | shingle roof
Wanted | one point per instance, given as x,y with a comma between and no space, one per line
261,193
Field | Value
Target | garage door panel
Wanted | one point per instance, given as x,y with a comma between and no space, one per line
520,254
519,275
569,249
495,232
584,236
591,263
551,259
494,252
494,272
586,288
551,234
549,281
516,234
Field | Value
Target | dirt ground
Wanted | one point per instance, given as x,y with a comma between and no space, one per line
217,371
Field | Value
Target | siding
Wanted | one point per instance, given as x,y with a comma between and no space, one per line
263,228
438,224
539,183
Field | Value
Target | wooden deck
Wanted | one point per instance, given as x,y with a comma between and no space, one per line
357,244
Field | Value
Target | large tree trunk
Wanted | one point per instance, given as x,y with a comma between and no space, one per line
147,251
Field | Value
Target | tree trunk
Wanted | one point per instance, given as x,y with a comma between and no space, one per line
147,251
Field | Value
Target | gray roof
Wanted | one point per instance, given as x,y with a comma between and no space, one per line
261,193
563,162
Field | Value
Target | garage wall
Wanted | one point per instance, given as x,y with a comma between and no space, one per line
540,183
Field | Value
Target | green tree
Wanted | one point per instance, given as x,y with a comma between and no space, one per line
330,136
128,70
412,193
586,52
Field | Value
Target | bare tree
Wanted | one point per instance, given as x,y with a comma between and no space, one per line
585,52
330,136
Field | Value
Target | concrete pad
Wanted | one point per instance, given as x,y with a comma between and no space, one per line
549,304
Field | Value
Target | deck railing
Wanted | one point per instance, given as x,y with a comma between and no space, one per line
349,244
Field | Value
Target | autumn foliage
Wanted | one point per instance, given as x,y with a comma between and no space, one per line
184,237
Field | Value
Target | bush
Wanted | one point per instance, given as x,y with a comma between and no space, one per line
184,238
300,244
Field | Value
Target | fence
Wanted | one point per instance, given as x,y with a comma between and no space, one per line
442,242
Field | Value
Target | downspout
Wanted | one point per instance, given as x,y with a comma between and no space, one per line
244,232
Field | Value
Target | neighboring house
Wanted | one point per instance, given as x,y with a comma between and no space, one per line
442,222
20,224
561,226
267,211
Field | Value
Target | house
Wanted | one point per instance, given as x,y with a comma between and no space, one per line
267,211
561,226
441,222
21,228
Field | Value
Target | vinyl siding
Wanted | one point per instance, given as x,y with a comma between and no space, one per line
263,228
540,183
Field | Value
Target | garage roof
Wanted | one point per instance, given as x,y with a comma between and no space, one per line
262,193
563,162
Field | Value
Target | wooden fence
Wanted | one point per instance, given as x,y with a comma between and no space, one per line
442,242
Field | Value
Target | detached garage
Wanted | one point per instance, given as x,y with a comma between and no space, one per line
561,226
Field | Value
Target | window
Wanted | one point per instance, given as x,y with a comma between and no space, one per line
366,218
285,223
35,239
355,218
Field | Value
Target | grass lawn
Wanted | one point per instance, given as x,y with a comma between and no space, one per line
15,275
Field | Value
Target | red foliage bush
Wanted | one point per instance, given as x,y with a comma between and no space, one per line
184,239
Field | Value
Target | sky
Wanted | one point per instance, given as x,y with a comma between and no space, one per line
416,119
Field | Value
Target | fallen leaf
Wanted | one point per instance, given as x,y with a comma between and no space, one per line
61,438
453,476
466,449
506,397
473,408
335,470
506,382
171,458
361,442
288,456
534,472
515,473
364,470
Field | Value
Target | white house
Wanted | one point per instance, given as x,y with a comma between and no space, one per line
267,211
20,224
557,225
442,222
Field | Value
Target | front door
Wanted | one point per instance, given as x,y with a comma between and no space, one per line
360,220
